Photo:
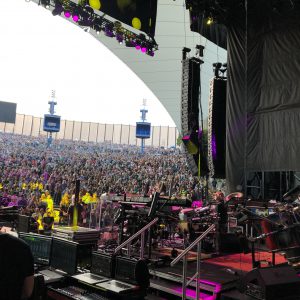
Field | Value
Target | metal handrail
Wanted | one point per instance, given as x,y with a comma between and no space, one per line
140,232
184,269
192,245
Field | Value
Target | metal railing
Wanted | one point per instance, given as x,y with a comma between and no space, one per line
184,269
141,233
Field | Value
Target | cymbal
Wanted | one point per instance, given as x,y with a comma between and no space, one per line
234,195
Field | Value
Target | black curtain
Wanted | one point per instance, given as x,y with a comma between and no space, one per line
263,98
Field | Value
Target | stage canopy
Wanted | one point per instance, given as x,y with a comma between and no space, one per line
162,73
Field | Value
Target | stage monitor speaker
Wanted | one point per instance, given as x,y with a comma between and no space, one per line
103,264
273,283
217,128
132,271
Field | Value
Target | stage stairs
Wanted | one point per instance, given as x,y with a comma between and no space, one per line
213,281
166,287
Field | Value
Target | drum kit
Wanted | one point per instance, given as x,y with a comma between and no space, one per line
196,220
280,224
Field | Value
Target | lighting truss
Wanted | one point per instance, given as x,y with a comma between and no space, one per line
85,16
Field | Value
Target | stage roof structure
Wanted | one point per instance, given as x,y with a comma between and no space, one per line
162,72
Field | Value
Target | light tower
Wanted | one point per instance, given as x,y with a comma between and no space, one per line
143,129
51,121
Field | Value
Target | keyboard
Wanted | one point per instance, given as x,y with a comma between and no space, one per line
77,293
50,276
117,286
90,278
92,296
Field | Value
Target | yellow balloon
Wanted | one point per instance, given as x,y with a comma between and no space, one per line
136,23
95,4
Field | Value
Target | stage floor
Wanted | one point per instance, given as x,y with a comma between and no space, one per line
241,262
217,275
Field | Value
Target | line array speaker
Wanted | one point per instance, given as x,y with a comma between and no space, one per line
217,128
190,116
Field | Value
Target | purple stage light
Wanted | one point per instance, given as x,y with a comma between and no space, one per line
143,49
138,47
120,38
151,52
75,18
67,14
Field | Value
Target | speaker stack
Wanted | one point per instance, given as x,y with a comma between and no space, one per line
217,128
190,115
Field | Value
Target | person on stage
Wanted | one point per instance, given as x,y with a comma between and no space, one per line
16,268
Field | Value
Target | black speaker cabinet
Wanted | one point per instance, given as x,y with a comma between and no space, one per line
132,271
274,283
103,264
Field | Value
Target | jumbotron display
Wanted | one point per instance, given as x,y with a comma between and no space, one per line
51,123
143,130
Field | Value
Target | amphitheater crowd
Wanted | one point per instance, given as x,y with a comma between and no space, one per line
32,174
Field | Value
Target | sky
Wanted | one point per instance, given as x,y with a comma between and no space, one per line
40,53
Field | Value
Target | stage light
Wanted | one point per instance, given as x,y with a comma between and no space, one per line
45,3
58,9
97,28
67,14
75,18
120,38
84,15
209,21
150,52
108,30
129,43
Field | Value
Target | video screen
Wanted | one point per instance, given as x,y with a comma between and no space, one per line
51,123
143,130
8,112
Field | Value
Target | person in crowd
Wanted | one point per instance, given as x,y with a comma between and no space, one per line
74,212
63,209
48,221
